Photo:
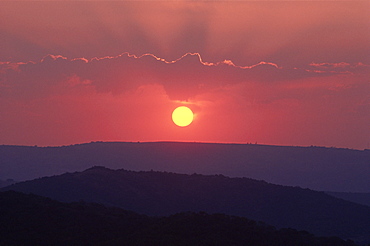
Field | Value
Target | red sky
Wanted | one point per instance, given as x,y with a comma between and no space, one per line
282,73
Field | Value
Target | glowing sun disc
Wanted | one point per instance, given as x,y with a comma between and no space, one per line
182,116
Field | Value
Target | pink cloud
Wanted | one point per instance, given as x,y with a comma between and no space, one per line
182,78
285,33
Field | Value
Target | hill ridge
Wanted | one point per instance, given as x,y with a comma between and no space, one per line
326,169
164,193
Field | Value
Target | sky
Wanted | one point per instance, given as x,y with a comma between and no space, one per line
267,72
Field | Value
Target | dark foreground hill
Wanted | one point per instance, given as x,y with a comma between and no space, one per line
324,169
160,193
34,220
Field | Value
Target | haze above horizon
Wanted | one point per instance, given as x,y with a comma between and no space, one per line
280,73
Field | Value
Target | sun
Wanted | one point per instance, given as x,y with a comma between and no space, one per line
182,116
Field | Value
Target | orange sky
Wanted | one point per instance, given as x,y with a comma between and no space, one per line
283,73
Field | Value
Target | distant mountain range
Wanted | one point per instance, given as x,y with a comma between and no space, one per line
318,168
163,193
34,220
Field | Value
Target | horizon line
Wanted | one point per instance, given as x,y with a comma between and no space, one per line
184,142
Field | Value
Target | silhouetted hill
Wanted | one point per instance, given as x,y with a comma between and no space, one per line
34,220
161,193
360,198
7,182
325,169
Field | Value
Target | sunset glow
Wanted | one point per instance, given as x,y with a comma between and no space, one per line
280,72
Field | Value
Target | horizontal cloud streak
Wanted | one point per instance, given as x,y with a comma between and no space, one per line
182,78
